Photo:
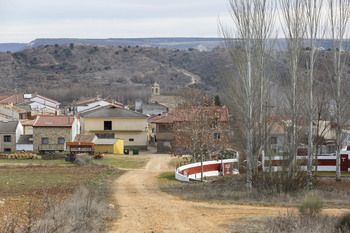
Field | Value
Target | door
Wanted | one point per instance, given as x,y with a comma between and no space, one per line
344,163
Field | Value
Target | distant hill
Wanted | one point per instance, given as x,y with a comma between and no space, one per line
171,43
183,43
66,72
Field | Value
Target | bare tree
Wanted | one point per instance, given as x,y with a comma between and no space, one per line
200,129
339,15
293,14
241,53
312,33
265,12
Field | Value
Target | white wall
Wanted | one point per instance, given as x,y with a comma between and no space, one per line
26,147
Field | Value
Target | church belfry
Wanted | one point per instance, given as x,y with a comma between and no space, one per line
155,89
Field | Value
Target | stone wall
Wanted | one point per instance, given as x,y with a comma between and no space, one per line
53,134
11,145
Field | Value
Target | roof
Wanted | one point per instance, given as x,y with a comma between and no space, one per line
25,139
27,122
168,100
54,121
86,102
112,112
106,141
13,108
3,97
190,114
85,138
8,126
18,98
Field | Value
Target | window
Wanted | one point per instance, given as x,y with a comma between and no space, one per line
217,136
60,140
131,140
7,149
105,135
7,138
108,125
273,140
44,141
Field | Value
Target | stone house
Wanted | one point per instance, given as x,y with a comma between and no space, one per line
10,132
50,133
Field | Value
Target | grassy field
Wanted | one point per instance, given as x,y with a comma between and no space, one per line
34,161
124,161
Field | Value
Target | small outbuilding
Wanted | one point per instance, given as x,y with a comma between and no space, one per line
110,145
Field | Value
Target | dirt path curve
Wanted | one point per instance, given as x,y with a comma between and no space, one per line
144,208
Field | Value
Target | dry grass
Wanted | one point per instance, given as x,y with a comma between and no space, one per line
231,189
30,194
294,223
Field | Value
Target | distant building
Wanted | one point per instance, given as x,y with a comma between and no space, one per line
50,133
10,132
114,122
33,104
157,103
89,104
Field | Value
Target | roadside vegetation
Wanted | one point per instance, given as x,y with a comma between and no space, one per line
231,189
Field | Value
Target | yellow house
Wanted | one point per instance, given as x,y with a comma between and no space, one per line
27,126
110,145
115,122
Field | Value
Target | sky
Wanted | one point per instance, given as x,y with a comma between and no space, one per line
22,21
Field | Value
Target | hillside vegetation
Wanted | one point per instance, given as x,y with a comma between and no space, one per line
66,72
70,71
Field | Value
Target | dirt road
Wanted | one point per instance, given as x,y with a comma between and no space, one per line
144,208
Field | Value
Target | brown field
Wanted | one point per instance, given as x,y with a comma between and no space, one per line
23,187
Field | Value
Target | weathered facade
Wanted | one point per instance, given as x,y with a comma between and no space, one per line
50,133
10,131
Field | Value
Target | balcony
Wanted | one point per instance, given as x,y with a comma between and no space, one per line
52,147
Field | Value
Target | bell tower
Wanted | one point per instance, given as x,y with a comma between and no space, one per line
155,89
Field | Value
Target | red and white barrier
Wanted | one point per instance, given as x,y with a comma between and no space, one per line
210,168
323,163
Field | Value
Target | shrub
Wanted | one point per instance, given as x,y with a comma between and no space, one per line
311,206
343,224
298,224
84,161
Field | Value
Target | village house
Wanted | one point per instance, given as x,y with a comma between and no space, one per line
173,126
50,132
10,112
10,132
85,105
278,141
115,122
157,103
34,104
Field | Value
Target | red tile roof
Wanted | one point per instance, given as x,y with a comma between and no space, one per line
27,122
54,121
189,114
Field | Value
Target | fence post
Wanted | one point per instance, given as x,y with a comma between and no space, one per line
263,160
